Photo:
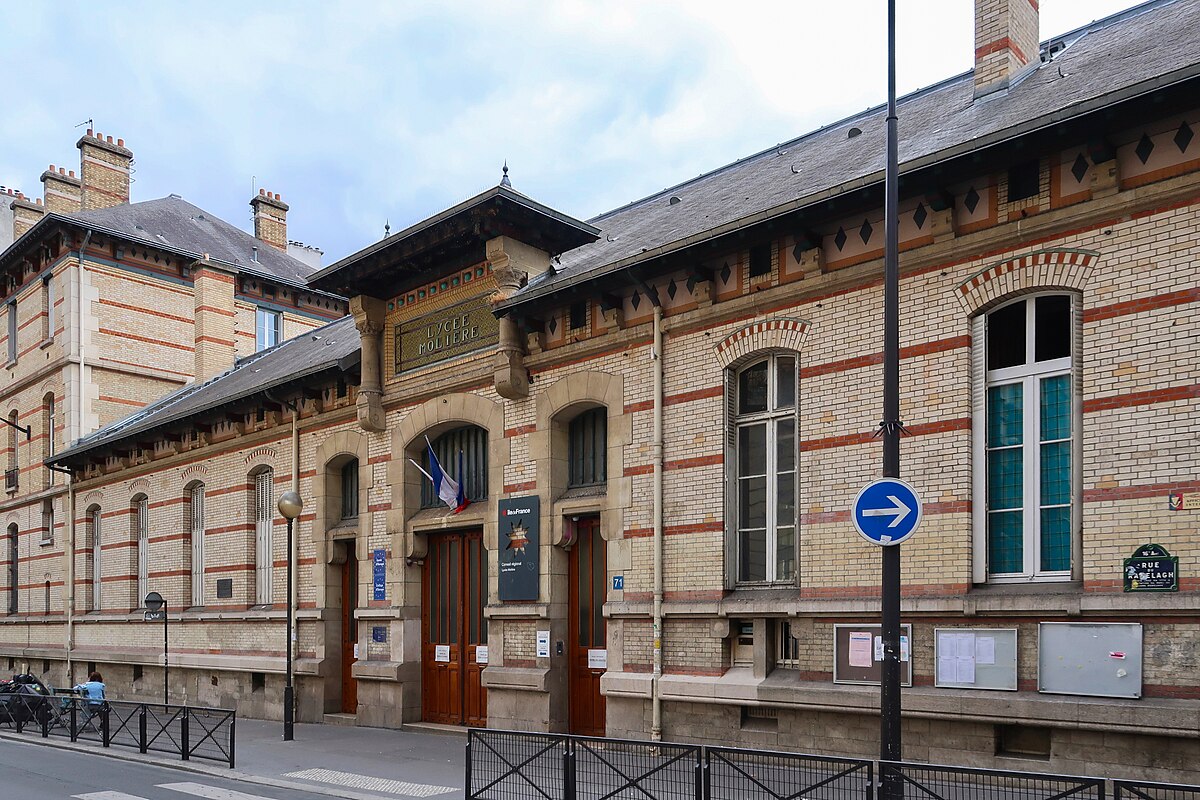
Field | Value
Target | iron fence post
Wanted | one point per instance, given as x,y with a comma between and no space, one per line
183,735
142,745
74,719
707,774
699,770
105,736
468,776
44,713
568,770
232,729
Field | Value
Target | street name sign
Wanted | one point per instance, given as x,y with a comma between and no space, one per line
886,511
157,615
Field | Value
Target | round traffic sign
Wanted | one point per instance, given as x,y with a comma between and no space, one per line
886,511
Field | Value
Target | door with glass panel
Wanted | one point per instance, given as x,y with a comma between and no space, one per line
453,629
764,428
587,630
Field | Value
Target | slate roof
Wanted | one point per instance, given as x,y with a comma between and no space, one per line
308,354
1148,46
174,222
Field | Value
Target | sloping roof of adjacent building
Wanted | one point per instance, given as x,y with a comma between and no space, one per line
173,222
328,347
1145,48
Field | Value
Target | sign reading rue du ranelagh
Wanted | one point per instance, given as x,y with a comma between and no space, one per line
461,328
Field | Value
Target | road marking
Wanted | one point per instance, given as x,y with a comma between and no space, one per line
210,792
107,796
353,781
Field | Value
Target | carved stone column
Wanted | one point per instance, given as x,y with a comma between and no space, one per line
368,318
513,264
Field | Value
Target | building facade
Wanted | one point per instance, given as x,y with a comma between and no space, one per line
659,418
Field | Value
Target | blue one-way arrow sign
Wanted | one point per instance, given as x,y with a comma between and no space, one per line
886,511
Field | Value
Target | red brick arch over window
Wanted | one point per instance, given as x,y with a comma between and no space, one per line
778,333
1064,268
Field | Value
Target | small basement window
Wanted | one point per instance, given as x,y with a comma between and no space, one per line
258,681
1023,741
137,672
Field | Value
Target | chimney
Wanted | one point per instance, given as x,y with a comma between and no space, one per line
1006,42
26,214
104,168
62,190
214,337
270,219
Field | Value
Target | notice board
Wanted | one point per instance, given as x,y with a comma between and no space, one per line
975,658
858,654
1097,659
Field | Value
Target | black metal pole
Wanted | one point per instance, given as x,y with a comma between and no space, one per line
889,693
288,694
166,657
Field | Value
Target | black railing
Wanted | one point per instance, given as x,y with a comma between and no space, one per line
932,782
1144,790
609,768
190,732
732,772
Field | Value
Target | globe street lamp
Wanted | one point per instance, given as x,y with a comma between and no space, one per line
290,506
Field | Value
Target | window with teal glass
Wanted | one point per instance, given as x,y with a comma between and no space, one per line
1029,435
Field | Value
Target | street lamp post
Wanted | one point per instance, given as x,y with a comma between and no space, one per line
156,607
290,506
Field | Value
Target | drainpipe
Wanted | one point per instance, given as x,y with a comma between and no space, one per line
657,454
76,357
69,554
295,409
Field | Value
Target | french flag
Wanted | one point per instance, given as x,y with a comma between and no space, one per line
449,490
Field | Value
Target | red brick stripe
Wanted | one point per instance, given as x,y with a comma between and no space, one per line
1148,397
147,339
674,530
520,430
525,486
1103,494
141,310
1166,300
1003,43
922,429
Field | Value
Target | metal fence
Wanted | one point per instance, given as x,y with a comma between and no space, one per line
933,782
190,732
1143,790
732,772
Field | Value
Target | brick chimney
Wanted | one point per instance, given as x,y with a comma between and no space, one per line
270,219
26,213
214,337
1006,42
62,190
104,167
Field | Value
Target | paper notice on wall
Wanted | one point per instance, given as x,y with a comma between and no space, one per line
957,656
441,652
879,648
947,670
481,654
903,647
543,644
597,659
860,649
985,650
966,669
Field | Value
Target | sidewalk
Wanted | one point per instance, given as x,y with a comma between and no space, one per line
348,762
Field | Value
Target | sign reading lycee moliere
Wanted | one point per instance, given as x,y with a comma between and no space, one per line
461,328
518,544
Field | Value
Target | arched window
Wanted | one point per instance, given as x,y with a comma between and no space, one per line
1028,438
196,535
462,453
587,448
763,439
350,490
140,523
14,560
48,444
264,516
94,560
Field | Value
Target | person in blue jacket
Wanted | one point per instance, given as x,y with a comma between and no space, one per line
93,692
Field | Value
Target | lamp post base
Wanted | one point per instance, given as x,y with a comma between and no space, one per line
288,712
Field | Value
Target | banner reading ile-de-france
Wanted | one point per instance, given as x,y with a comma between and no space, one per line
518,545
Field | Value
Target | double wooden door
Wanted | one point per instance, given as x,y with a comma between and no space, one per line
588,650
349,570
453,629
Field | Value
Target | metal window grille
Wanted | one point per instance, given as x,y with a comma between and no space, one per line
350,489
141,521
787,648
196,508
264,498
97,570
472,442
588,448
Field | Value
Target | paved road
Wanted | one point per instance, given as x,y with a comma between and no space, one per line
35,772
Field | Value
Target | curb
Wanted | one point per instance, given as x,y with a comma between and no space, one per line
198,769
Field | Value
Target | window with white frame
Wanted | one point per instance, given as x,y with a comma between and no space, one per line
141,532
765,448
264,515
97,570
1027,439
196,531
268,328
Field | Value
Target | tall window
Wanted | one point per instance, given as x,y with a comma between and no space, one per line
97,570
47,307
264,515
471,441
1028,439
268,328
587,448
196,532
350,489
763,436
141,533
12,331
14,562
47,521
48,423
12,472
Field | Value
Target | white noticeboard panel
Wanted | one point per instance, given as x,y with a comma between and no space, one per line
1097,659
975,658
543,644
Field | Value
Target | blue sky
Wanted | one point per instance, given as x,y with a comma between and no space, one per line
361,112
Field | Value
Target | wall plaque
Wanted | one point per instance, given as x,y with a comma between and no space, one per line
379,575
452,331
1152,569
518,544
224,588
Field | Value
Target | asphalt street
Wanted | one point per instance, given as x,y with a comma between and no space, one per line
36,772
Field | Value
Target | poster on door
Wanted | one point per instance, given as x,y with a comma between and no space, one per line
518,541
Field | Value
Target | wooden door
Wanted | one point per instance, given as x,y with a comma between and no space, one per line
349,630
587,629
452,629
